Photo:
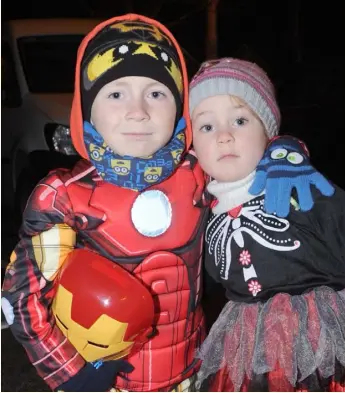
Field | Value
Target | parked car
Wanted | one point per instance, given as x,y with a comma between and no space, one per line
38,60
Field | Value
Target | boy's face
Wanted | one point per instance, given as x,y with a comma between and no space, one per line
135,115
229,140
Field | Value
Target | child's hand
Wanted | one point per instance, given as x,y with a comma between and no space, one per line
96,376
286,165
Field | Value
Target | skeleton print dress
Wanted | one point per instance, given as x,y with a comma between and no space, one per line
283,328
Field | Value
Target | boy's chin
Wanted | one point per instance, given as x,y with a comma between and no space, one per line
135,154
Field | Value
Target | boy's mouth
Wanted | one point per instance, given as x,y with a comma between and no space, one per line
227,157
137,134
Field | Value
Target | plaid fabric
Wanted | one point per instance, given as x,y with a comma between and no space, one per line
46,238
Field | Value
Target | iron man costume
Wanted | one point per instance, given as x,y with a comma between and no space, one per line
125,234
85,212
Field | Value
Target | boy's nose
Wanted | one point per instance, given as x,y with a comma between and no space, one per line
137,112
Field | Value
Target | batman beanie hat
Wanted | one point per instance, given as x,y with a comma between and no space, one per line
129,48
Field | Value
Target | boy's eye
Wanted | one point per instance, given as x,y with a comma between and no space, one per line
116,95
157,94
206,128
241,121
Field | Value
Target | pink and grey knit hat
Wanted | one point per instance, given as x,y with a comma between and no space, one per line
238,78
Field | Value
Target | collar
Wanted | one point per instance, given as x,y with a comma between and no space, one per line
231,194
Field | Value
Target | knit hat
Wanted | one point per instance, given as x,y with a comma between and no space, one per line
129,48
241,79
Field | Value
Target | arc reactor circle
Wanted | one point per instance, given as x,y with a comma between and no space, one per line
151,213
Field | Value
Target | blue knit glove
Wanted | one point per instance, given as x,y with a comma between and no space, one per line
96,376
284,166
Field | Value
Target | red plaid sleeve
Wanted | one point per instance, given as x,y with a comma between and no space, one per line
46,238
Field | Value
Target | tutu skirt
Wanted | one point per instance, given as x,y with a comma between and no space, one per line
289,343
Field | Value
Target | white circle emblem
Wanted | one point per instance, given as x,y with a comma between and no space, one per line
151,213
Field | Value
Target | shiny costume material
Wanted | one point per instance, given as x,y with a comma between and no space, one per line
116,321
79,202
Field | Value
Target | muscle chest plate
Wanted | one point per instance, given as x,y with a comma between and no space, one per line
135,224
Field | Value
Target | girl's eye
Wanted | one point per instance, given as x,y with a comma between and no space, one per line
157,94
116,95
241,121
206,128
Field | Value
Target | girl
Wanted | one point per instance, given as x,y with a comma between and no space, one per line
283,328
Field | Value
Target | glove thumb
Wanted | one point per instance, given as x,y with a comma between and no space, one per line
259,183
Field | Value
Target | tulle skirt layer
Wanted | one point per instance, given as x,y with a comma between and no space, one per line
287,343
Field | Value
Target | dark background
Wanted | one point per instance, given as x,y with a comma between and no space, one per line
298,42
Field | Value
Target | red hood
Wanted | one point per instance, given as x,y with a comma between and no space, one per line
76,122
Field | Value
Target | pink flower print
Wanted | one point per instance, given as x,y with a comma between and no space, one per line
245,258
254,287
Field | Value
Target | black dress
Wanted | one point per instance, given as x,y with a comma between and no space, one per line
283,328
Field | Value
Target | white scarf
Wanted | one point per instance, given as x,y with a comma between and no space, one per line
231,194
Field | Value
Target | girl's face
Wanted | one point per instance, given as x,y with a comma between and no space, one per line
229,139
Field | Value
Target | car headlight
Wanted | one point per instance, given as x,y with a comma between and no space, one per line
59,139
